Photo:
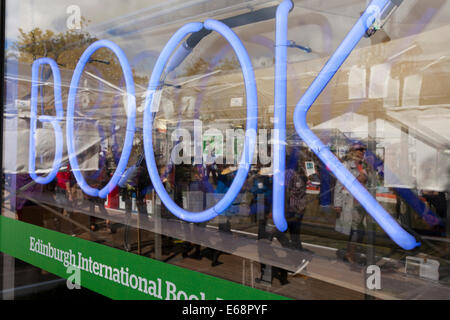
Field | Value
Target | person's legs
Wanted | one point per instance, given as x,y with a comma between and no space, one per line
61,201
294,227
142,207
356,232
101,206
93,223
128,210
92,218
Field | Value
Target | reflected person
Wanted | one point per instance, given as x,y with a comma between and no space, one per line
296,201
351,215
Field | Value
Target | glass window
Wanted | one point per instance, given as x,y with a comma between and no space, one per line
117,134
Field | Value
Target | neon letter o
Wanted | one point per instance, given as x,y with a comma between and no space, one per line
131,118
252,121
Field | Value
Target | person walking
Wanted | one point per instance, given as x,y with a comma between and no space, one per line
351,216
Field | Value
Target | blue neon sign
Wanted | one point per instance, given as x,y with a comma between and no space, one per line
252,116
280,110
383,218
400,236
53,120
131,116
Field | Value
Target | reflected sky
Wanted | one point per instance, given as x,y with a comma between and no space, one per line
136,24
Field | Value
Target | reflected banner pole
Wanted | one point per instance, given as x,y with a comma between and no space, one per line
378,213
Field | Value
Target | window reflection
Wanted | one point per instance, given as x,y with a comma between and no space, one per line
383,115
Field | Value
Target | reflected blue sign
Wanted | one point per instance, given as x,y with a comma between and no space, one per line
53,120
375,11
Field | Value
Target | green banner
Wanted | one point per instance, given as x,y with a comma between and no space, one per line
115,273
